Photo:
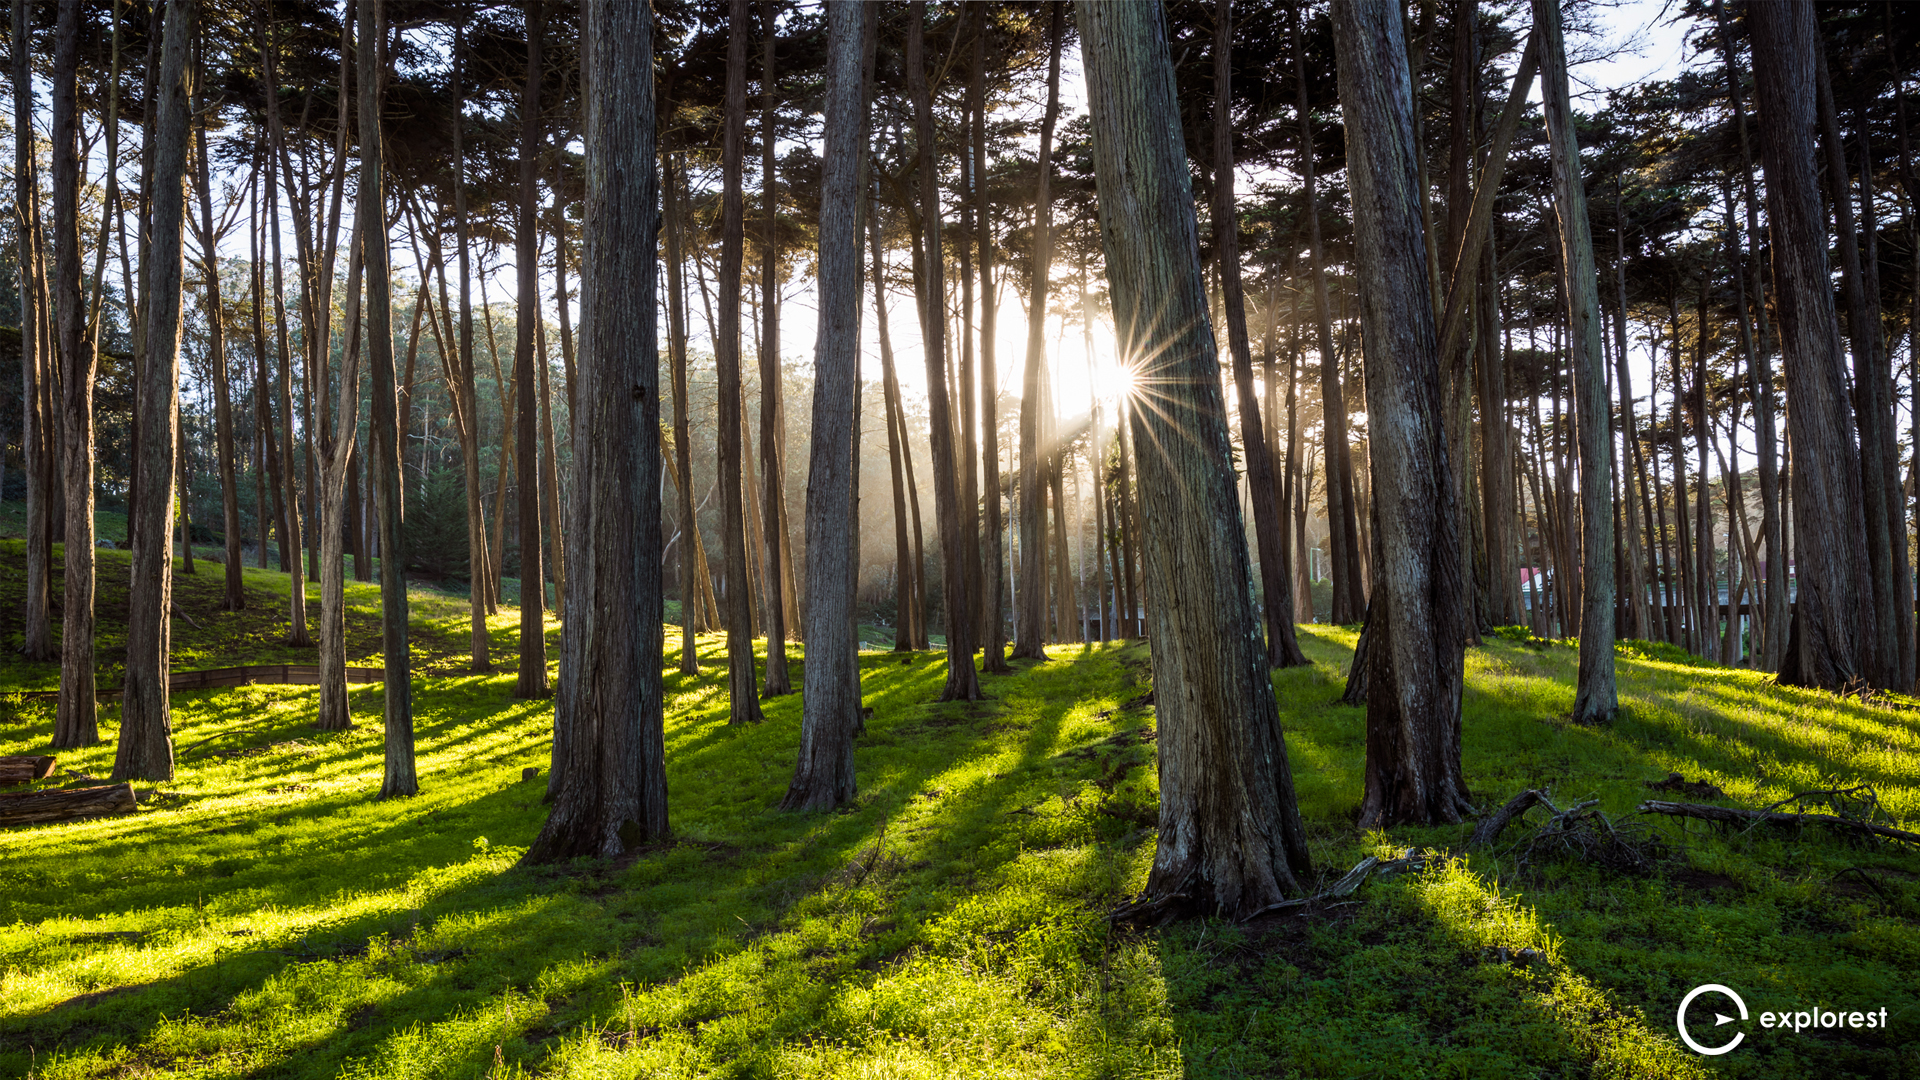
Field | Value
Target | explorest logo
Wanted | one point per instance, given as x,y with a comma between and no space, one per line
1796,1022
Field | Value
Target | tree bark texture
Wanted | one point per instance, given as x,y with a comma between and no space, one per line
823,777
743,698
1030,620
532,680
145,745
993,558
612,784
1596,699
963,681
1231,839
1831,644
1417,616
36,434
75,723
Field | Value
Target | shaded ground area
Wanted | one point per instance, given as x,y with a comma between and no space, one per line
266,917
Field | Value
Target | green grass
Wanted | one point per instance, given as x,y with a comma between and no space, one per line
264,916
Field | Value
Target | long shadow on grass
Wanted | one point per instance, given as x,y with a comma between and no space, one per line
745,893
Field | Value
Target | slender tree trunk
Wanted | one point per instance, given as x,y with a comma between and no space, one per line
233,597
144,749
1831,644
1134,620
1230,839
1276,578
611,795
905,597
994,558
532,680
335,459
1342,527
823,777
36,423
1030,619
771,436
1596,699
290,542
963,681
741,693
1417,621
75,724
692,610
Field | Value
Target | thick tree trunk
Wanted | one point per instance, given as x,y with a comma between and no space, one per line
399,777
743,699
963,681
1230,839
1596,699
1831,644
532,679
36,423
145,745
75,724
1418,618
823,778
1276,577
1030,619
611,793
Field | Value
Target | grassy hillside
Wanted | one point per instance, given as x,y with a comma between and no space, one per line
263,916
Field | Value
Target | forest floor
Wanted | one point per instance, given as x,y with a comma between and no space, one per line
264,916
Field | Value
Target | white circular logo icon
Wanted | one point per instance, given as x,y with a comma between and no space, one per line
1680,1020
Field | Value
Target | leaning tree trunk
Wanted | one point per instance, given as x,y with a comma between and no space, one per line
532,680
1595,699
1418,613
75,724
823,778
336,457
1231,839
399,777
692,548
1030,619
905,597
1276,576
1830,644
145,749
743,700
612,784
963,681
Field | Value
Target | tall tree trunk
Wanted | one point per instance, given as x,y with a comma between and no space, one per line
1134,619
290,542
36,434
963,681
145,745
905,596
233,596
532,680
772,439
744,706
481,602
823,777
399,778
1276,577
692,611
1630,438
335,459
1030,620
1342,527
993,560
964,372
1596,699
1231,839
75,724
1418,618
1831,642
611,795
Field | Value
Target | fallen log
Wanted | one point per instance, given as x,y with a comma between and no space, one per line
24,769
1493,824
1727,815
66,804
